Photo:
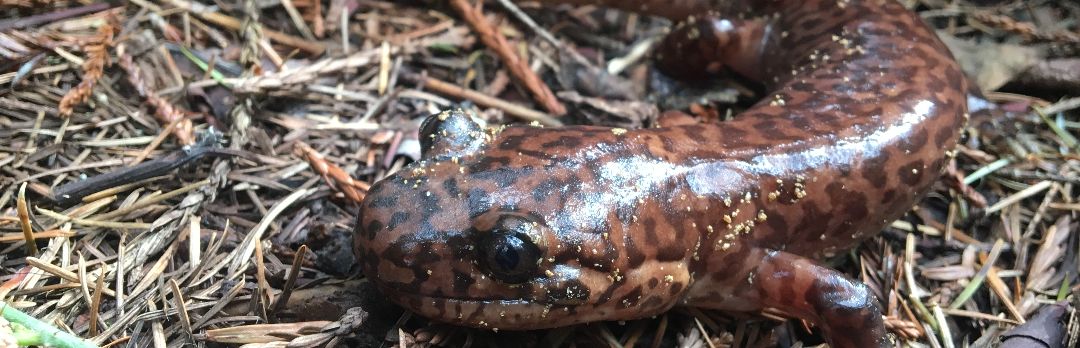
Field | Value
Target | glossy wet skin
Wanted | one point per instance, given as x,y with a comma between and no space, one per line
526,228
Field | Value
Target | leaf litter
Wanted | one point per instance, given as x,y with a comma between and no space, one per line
187,172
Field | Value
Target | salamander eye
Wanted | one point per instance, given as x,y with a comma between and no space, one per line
427,132
511,257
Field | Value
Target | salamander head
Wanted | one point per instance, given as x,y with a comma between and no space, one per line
463,236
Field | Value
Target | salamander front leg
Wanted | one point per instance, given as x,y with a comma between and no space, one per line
844,309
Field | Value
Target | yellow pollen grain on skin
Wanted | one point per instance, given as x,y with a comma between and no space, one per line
618,131
761,215
549,273
727,219
773,195
709,228
727,202
669,278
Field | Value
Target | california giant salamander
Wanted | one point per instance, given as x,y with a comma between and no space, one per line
524,227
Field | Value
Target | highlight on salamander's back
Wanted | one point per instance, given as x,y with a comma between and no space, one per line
546,173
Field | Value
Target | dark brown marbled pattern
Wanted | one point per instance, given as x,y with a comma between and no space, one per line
525,227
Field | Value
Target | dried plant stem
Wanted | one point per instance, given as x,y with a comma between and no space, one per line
24,222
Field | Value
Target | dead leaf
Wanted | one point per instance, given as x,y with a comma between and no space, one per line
991,64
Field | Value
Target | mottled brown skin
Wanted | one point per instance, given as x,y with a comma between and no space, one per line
527,228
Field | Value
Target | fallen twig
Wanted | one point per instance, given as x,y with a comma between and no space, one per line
353,189
483,100
74,192
31,21
518,67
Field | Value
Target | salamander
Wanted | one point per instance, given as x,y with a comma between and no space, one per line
525,227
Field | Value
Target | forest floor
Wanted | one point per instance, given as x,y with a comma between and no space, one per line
178,172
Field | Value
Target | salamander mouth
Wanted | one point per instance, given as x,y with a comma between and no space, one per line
487,312
490,313
405,293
